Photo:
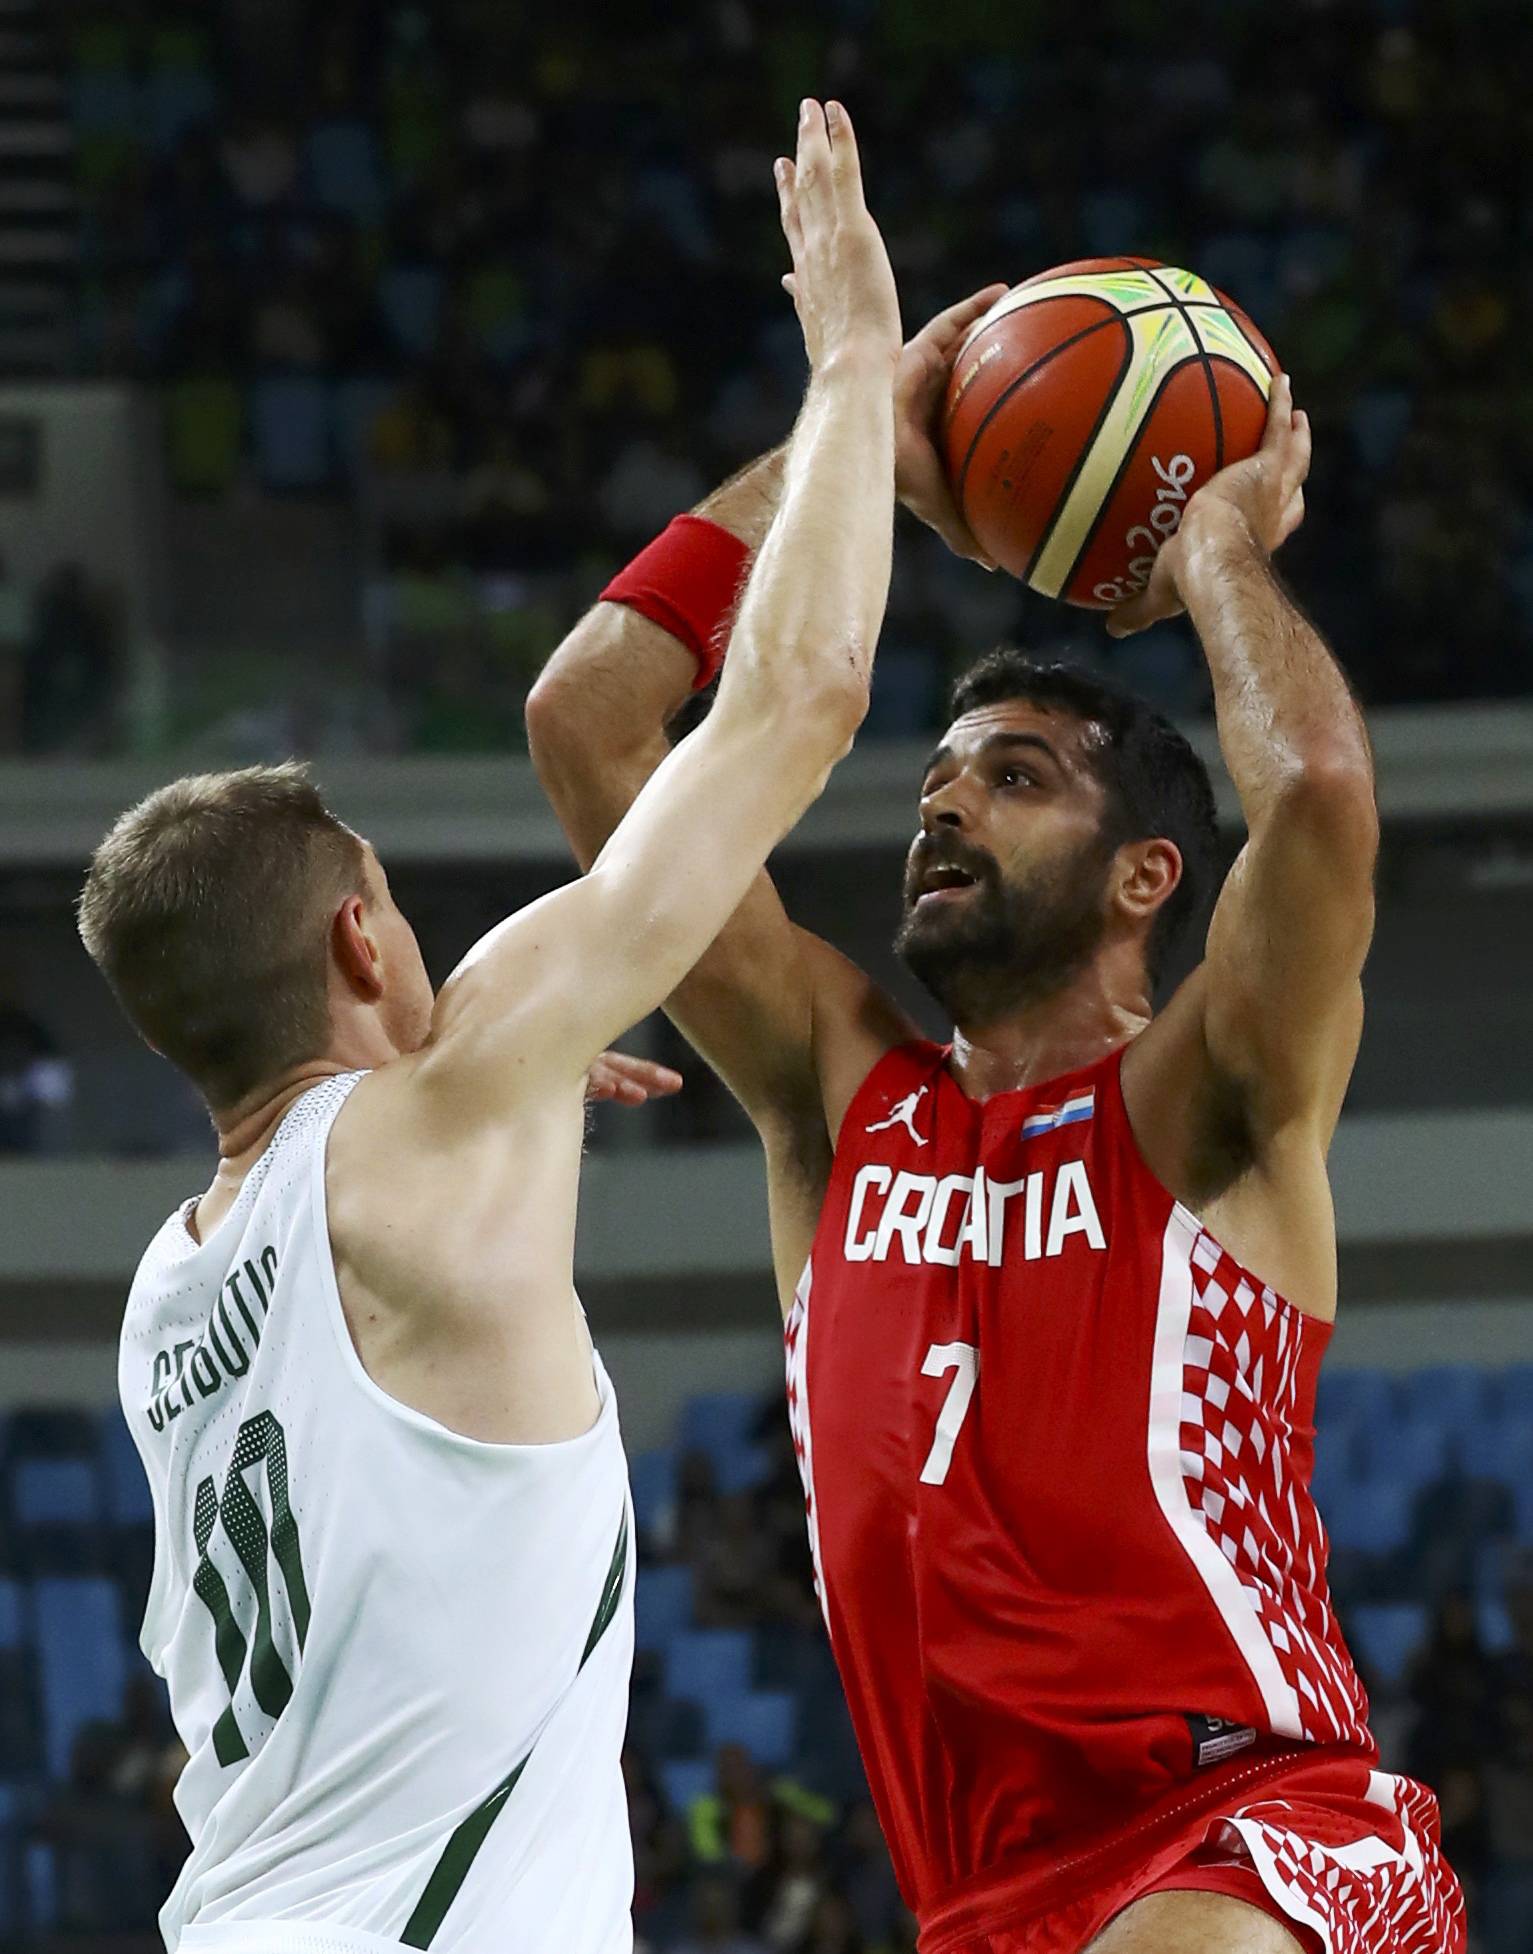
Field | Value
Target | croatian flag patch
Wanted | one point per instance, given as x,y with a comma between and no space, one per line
1079,1106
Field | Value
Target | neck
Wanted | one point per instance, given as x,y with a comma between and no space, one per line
1075,1027
245,1129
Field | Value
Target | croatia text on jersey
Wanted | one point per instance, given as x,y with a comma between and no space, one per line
952,1218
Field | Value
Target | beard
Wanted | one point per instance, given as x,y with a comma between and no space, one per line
1003,945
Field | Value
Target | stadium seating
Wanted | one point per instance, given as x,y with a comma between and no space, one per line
1384,1635
82,1660
653,1477
706,1663
684,1780
763,1721
663,1605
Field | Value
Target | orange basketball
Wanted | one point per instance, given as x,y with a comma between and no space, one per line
1087,406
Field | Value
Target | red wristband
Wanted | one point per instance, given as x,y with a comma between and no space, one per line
688,582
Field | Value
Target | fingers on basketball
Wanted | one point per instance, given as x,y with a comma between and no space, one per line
1302,447
1279,413
948,328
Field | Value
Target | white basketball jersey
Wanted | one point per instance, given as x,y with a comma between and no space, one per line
398,1658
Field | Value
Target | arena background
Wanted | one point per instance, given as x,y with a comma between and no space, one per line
346,349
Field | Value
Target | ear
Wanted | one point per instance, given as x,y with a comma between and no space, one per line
1149,874
356,954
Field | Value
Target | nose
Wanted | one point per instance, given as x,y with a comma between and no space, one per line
944,808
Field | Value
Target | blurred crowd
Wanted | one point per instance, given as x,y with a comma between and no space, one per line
511,279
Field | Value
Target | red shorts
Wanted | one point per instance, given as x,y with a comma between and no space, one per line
1345,1857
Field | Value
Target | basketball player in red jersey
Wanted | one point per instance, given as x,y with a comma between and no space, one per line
1057,1293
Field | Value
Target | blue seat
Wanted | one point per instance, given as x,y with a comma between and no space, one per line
718,1422
13,1623
1336,1458
742,1469
41,1886
411,299
1387,1635
662,1605
1497,1448
652,1476
55,1493
81,1659
50,1432
1497,1635
1411,1451
1360,1396
1457,1394
128,1503
290,429
764,1721
1513,1386
344,170
684,1780
705,1663
1370,1515
676,1729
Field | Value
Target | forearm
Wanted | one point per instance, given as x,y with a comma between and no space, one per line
812,609
1285,713
596,719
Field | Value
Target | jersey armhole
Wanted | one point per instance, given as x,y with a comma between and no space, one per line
918,1055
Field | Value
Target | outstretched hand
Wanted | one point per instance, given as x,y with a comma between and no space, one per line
920,388
841,283
1266,491
629,1081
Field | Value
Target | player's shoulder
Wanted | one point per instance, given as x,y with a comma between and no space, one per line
856,1024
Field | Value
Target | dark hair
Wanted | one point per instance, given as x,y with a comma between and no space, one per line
208,910
1155,784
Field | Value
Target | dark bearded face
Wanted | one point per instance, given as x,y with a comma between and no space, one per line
1006,886
984,943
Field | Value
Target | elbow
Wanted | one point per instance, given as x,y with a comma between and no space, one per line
1332,794
822,712
548,712
842,702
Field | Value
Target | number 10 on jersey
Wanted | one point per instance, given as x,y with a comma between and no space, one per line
963,1360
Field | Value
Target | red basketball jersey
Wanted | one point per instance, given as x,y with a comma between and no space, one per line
1056,1448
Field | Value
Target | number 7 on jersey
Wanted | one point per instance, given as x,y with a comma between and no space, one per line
941,1358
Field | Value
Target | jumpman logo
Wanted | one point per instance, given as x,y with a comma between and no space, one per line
904,1114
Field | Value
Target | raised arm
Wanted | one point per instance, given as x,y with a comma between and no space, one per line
1280,992
596,724
551,986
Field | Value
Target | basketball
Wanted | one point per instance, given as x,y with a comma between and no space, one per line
1084,410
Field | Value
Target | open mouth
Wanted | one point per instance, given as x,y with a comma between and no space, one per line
943,883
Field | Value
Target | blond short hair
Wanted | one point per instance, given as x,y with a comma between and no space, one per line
208,907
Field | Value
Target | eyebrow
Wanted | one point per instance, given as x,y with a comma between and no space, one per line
991,743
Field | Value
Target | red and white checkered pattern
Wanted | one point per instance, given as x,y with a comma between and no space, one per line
1240,1368
796,1345
1387,1892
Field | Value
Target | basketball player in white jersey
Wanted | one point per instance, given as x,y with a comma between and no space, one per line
392,1590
